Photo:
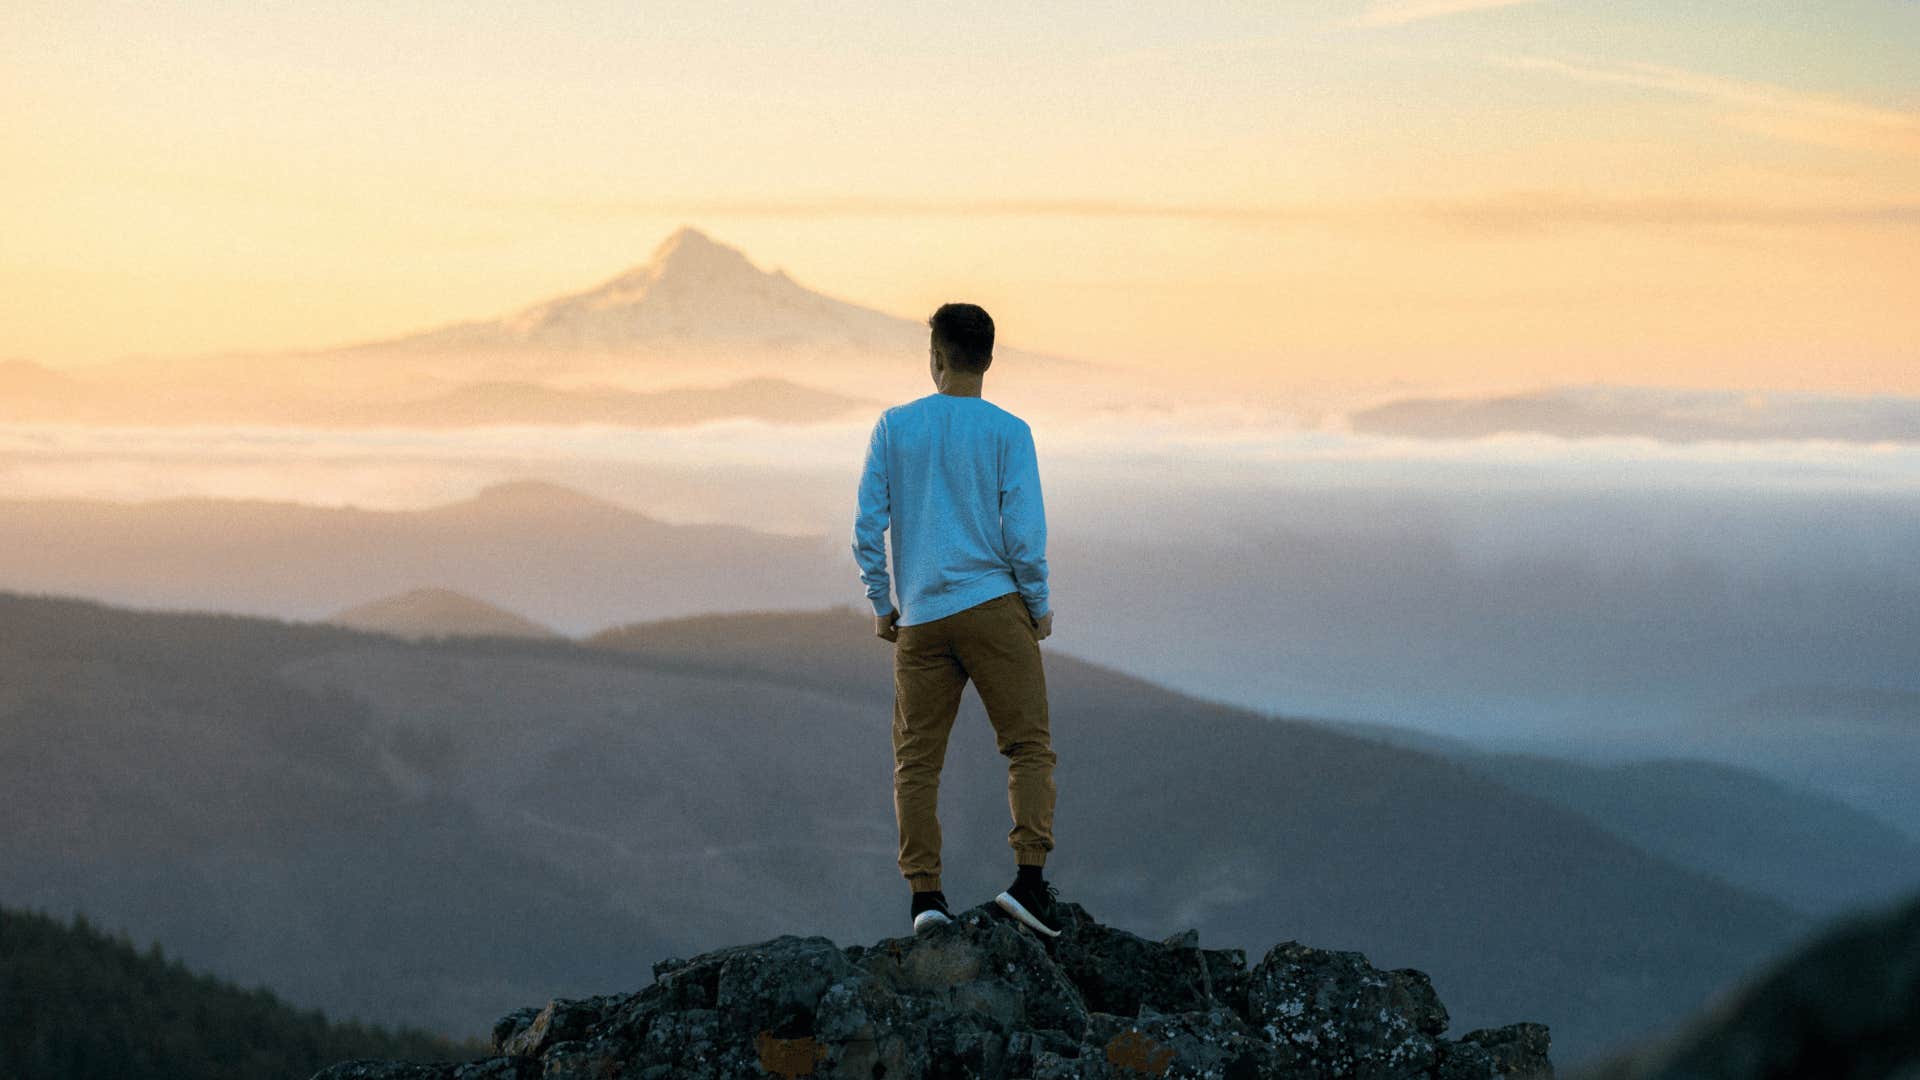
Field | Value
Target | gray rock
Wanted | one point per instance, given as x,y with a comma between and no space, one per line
496,1068
560,1021
1215,1042
871,1030
511,1025
384,1070
985,997
1514,1052
1334,1012
777,984
1118,972
983,965
576,1060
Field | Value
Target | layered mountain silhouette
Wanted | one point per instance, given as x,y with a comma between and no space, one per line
758,398
436,832
695,332
429,612
555,555
1781,839
1861,742
1368,594
499,401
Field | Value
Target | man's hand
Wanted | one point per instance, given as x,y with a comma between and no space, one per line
884,628
1042,626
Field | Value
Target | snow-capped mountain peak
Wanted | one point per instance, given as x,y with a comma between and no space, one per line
693,289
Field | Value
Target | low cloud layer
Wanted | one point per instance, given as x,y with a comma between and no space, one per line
1672,415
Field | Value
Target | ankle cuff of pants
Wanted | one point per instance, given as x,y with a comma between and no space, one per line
924,882
1030,856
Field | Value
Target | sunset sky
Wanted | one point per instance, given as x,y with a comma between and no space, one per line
1707,194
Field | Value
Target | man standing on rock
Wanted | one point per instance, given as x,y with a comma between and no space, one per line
956,479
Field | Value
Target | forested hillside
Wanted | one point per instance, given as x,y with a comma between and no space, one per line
78,1002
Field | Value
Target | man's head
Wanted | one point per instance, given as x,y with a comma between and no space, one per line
962,338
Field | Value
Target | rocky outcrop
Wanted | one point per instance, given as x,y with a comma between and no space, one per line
986,997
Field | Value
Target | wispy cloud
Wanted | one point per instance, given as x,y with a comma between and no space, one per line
1397,12
1161,53
1502,211
1764,108
883,206
1547,209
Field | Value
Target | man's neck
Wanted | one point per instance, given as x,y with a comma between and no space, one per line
961,389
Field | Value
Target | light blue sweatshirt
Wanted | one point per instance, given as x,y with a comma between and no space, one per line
957,481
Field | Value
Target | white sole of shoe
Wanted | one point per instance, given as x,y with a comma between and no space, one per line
928,918
1013,907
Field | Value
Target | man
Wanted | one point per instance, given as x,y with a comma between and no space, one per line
955,478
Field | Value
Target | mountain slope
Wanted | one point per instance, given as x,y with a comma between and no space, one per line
422,613
77,1003
699,788
1761,833
778,401
690,289
1861,742
1846,1004
428,402
558,556
158,774
1814,852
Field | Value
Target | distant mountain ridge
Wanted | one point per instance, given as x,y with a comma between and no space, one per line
1861,742
429,612
694,332
778,401
699,305
551,553
1758,831
30,393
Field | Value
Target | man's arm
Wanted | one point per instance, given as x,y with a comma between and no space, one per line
1023,521
875,514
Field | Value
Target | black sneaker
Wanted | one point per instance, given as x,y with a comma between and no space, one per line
930,909
1031,902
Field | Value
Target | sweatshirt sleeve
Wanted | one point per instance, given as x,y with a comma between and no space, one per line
875,509
1023,520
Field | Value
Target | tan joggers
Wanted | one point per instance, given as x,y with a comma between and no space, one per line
993,644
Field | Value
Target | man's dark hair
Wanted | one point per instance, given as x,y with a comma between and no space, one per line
964,335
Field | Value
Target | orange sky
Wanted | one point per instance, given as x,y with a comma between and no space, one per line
1422,190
